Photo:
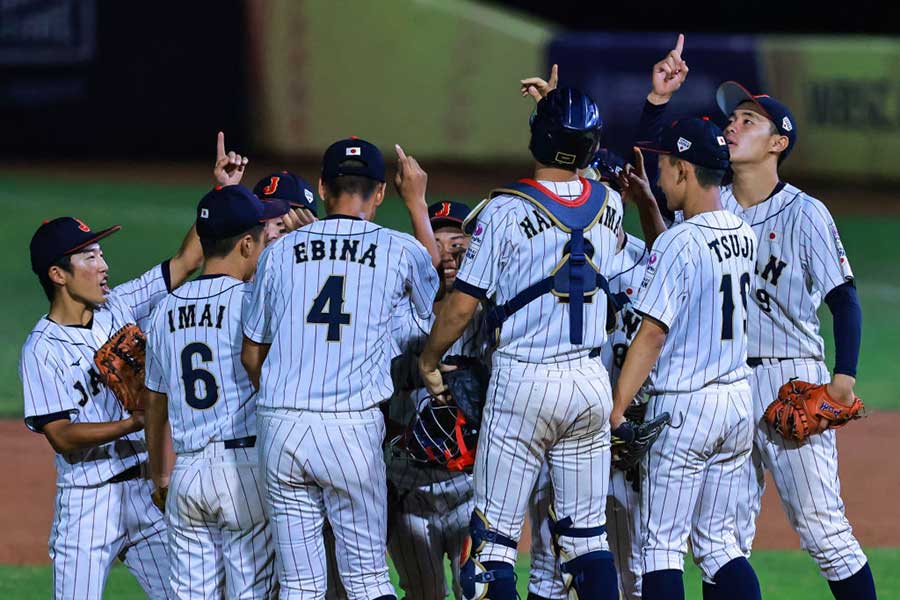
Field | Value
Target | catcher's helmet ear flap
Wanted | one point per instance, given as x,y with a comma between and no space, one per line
565,129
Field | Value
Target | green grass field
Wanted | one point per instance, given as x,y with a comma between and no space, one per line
782,576
155,217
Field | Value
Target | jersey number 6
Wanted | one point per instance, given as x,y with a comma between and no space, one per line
190,376
326,308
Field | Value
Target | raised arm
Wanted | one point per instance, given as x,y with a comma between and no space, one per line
411,181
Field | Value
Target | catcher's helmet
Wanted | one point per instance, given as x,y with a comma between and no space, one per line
440,435
565,129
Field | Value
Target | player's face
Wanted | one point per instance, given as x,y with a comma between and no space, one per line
453,244
669,175
750,135
89,280
274,229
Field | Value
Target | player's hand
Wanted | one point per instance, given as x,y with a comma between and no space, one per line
229,168
616,418
304,216
841,389
634,182
411,179
668,74
159,498
537,88
431,375
136,420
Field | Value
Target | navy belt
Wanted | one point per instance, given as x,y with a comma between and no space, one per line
756,362
244,442
126,475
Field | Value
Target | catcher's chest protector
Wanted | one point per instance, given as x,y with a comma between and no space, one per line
575,277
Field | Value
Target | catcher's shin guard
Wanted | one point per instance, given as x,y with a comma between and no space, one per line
590,576
491,580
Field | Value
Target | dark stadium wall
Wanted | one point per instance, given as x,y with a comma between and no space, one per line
110,79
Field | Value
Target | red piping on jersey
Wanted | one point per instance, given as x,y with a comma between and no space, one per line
585,192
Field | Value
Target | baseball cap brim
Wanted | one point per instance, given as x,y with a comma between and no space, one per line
731,94
96,237
274,208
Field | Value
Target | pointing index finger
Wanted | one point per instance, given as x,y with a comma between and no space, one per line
679,45
220,145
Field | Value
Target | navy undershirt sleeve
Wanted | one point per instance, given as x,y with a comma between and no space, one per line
846,312
650,127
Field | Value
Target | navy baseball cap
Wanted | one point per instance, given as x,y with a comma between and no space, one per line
61,237
731,94
289,187
448,213
225,212
335,159
698,141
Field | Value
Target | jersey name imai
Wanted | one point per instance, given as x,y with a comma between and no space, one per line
800,259
194,357
323,299
698,281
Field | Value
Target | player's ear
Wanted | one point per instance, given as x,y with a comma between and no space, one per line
379,194
246,246
321,189
779,143
57,275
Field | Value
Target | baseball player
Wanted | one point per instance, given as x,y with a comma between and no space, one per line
285,186
800,262
430,513
693,301
536,253
103,509
219,540
327,292
294,190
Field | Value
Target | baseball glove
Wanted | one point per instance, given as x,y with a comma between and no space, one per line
799,406
120,362
631,441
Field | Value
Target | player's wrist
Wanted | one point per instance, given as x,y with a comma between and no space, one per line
658,99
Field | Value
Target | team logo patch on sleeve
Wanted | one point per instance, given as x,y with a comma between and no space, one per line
475,242
650,270
841,253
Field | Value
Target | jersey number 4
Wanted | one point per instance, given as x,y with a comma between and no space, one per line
197,396
326,308
728,304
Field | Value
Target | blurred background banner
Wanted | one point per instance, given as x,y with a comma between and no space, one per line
437,76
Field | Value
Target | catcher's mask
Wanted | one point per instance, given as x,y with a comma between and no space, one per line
440,435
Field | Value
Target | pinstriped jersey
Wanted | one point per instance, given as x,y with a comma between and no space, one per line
627,273
515,245
409,333
323,299
194,358
800,259
59,379
698,280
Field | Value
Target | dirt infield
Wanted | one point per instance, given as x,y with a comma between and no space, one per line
871,487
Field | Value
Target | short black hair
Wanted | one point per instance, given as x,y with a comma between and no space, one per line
706,177
64,263
351,184
213,248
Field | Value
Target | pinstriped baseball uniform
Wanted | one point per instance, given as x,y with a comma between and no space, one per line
697,284
547,398
623,506
218,530
623,503
801,259
96,521
326,292
431,518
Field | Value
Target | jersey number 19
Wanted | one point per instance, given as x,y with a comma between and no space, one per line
728,303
